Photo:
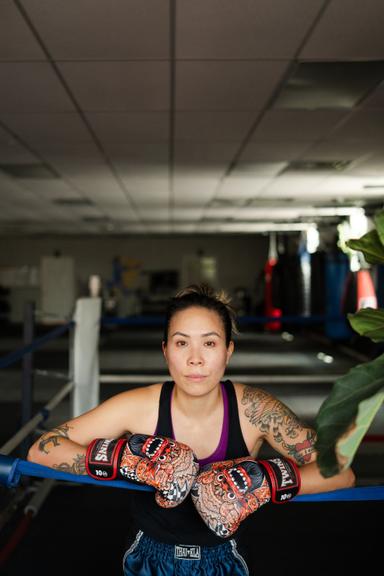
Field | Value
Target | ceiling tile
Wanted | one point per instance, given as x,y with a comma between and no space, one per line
118,86
119,212
52,133
12,151
50,190
298,186
234,188
117,132
205,154
376,99
273,151
208,125
230,85
139,154
348,30
17,42
363,125
226,29
31,87
190,189
113,30
297,124
329,150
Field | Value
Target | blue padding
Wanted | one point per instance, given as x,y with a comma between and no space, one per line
18,354
11,470
345,495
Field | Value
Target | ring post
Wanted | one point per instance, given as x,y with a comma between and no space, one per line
27,372
85,355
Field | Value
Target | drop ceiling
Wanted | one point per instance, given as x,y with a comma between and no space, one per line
189,116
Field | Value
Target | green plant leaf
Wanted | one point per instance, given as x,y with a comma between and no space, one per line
368,322
347,446
379,221
339,410
370,245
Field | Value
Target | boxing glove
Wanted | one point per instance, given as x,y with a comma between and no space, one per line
225,493
169,466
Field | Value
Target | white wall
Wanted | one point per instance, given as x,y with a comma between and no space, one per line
240,258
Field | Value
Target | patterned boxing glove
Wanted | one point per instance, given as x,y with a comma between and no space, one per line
225,493
169,466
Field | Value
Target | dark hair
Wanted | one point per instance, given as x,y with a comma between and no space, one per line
203,296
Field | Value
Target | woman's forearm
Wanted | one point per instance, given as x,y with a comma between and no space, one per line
56,450
312,481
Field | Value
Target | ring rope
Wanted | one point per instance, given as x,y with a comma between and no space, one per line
41,416
16,355
18,467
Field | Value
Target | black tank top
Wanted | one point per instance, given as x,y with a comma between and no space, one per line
183,525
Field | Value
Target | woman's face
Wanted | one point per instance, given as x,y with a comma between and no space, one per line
196,351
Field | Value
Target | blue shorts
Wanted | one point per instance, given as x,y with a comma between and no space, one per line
148,557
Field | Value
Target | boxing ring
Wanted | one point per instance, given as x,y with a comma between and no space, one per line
82,388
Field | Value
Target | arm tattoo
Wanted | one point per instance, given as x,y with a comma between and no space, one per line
78,466
277,421
53,437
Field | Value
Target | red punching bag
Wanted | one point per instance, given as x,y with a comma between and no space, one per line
366,294
269,308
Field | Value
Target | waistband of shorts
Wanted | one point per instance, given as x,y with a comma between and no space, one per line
191,551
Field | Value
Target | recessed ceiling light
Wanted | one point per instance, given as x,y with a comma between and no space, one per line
30,171
73,202
317,165
329,85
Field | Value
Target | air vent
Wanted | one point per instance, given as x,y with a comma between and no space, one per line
95,219
317,166
316,85
30,171
226,202
73,202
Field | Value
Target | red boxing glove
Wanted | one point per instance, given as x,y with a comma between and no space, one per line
167,465
225,493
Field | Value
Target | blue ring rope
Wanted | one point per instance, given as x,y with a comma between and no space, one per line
15,468
16,355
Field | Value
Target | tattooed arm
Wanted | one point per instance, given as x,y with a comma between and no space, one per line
57,450
282,429
65,446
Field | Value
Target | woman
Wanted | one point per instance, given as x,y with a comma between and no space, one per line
218,429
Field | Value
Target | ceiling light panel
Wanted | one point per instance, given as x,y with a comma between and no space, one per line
230,85
30,171
114,32
221,29
320,85
126,86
